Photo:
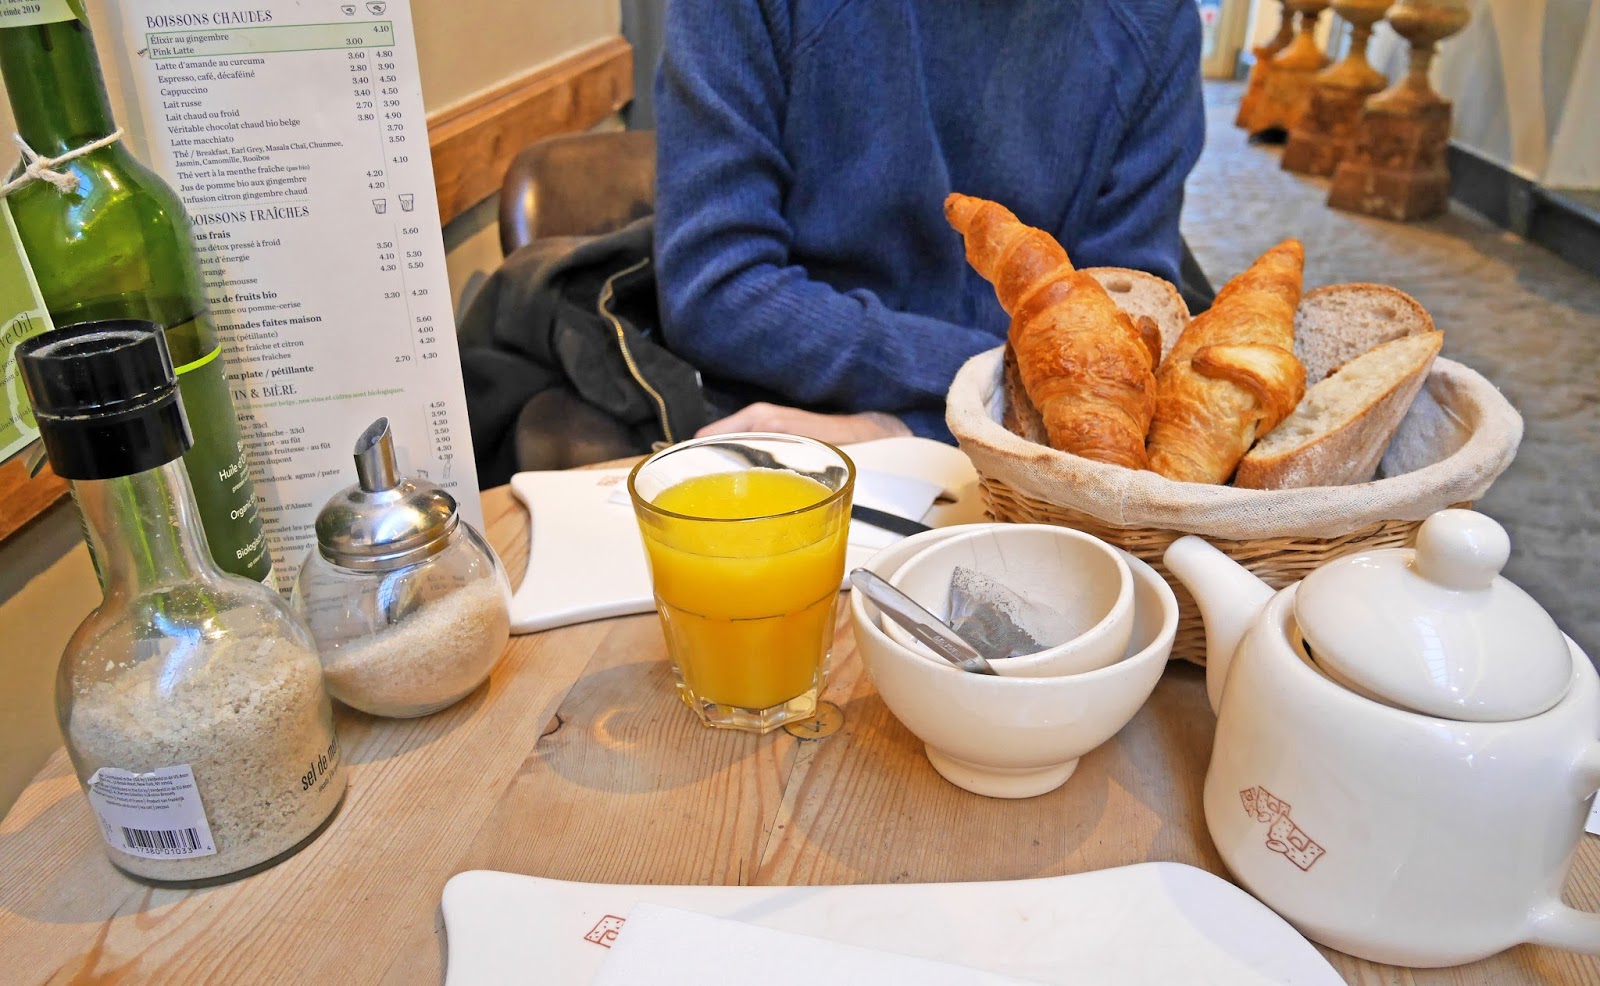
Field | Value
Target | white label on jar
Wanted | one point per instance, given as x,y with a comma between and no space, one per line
157,815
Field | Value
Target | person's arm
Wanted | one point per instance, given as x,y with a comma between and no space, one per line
1135,216
837,429
733,301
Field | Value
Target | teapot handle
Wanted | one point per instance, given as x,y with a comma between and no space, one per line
1560,926
1555,924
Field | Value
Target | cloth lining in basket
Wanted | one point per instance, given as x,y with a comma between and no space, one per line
1458,437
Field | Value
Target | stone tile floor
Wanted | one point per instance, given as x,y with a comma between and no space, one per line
1516,313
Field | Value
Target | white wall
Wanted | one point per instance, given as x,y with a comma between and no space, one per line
1525,78
1575,148
467,46
46,582
1219,56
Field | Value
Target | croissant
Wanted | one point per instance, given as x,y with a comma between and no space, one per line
1233,375
1084,364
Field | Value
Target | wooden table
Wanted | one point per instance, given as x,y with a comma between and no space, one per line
578,762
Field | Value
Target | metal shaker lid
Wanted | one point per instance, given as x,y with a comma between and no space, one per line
385,521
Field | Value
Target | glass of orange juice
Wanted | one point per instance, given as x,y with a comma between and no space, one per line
745,536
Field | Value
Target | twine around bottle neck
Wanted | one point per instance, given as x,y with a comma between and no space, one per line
36,167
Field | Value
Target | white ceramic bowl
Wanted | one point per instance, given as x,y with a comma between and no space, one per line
1013,737
1082,583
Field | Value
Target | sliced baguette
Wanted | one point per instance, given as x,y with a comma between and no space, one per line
1139,293
1337,323
1021,417
1340,429
1135,292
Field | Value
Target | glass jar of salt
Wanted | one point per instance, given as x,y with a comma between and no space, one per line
191,700
409,606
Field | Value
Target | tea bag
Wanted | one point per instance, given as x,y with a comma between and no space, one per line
993,618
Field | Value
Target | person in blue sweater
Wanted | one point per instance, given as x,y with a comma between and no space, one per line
804,152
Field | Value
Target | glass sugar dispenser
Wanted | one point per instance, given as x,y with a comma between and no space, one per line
409,605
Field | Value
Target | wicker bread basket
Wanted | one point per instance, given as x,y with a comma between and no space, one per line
1459,436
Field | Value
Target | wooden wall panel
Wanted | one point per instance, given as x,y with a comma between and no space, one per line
474,142
22,499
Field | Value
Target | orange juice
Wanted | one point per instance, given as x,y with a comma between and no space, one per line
747,605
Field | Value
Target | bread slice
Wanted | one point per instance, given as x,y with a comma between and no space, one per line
1340,429
1139,293
1135,292
1337,323
1021,417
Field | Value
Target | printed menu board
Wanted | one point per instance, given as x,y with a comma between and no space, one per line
294,132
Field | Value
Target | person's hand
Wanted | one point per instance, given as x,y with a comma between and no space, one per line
835,429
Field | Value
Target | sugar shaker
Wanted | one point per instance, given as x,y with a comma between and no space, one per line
409,605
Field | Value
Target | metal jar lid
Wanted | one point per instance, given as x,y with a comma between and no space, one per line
385,521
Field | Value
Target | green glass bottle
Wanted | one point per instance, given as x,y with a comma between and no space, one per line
119,246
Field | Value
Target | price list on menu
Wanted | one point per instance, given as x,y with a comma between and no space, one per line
295,134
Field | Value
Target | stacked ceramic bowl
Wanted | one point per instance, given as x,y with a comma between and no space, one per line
1104,621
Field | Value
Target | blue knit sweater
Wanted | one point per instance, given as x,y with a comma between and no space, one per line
805,148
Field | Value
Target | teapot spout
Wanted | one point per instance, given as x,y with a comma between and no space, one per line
1230,599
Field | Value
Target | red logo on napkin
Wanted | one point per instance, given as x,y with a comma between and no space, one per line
1283,835
605,932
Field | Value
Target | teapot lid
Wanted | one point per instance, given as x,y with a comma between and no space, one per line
1436,630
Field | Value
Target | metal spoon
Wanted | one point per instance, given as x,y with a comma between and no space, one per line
921,624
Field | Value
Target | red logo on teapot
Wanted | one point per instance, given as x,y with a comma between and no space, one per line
1283,835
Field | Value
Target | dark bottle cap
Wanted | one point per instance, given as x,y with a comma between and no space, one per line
105,398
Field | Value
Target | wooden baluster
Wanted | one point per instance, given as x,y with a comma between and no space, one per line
1399,166
1249,106
1288,82
1325,130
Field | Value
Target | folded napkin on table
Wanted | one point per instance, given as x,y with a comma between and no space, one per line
903,496
586,561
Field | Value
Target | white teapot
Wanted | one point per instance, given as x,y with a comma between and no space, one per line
1406,747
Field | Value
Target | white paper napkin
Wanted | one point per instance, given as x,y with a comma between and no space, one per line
903,496
665,946
586,561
